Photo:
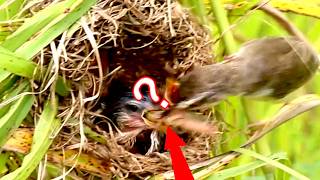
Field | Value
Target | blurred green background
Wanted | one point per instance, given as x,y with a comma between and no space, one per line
299,137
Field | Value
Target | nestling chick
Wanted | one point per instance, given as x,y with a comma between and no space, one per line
268,67
126,114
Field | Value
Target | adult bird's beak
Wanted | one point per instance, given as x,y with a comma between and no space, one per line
180,119
171,92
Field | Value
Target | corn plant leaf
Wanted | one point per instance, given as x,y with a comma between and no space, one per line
306,7
55,171
4,75
12,91
84,161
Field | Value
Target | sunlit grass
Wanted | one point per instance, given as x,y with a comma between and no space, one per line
23,37
299,137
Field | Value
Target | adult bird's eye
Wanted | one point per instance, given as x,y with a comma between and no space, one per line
132,107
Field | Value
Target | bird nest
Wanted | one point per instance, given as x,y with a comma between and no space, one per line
119,41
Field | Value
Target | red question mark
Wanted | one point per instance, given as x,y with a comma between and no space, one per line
146,80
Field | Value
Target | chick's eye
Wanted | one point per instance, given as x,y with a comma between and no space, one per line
132,107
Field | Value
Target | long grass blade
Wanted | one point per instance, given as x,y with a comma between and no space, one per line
54,29
16,65
42,140
19,66
238,170
12,91
6,83
273,163
35,24
10,8
14,117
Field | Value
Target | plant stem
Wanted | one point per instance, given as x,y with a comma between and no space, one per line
223,25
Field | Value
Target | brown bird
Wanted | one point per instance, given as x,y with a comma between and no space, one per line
268,67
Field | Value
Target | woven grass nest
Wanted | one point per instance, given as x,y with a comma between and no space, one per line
85,55
121,40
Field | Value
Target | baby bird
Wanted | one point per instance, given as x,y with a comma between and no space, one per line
126,114
268,67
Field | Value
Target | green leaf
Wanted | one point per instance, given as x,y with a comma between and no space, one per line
4,75
10,8
238,170
55,171
14,117
16,65
272,163
45,26
13,91
6,83
54,29
35,24
42,139
19,66
4,156
198,8
94,135
280,174
221,18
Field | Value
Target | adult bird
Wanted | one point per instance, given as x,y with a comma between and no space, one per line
268,67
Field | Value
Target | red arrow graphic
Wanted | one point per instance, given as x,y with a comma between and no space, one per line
179,164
